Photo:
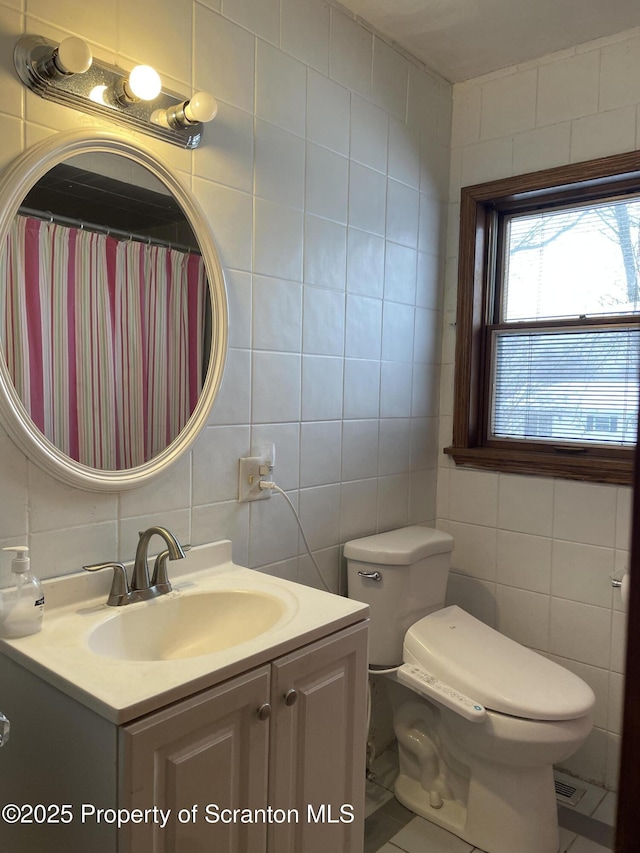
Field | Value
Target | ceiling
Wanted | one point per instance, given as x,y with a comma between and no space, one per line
461,39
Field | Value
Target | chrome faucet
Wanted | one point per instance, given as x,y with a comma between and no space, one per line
140,580
142,587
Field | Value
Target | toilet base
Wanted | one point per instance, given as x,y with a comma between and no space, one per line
506,811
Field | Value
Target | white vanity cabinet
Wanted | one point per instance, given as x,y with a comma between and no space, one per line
247,743
287,738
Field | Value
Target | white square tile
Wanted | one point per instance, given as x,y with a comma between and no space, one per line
277,314
177,521
581,632
542,148
404,153
273,531
524,561
585,512
432,224
426,390
474,552
367,200
281,89
486,161
396,389
320,453
393,501
239,295
233,403
364,327
358,509
322,387
606,811
215,464
582,573
422,498
328,113
305,32
350,54
66,550
424,443
623,518
509,104
361,388
359,449
398,323
526,504
325,253
619,84
279,165
601,135
616,701
568,88
228,520
328,562
14,496
473,497
590,761
598,681
324,318
55,505
320,515
429,281
477,597
428,336
403,211
523,616
390,81
467,113
230,213
327,182
286,439
429,104
365,263
261,17
394,446
369,134
278,240
275,387
618,640
224,59
434,169
400,273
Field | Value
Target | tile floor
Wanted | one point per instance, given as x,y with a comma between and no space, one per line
390,828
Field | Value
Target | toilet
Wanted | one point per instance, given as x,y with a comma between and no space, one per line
480,720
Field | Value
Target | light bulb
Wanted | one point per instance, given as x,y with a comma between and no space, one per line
73,56
144,82
201,107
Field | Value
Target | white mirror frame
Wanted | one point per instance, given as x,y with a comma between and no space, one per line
16,181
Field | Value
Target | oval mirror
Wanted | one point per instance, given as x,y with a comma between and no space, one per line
113,312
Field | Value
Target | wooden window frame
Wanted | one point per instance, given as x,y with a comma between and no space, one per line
594,180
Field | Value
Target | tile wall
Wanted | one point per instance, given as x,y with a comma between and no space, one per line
325,179
533,556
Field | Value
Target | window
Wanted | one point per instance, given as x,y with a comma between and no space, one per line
548,325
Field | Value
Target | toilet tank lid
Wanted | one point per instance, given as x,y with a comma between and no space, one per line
399,547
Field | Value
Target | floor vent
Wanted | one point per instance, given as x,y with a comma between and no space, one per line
569,795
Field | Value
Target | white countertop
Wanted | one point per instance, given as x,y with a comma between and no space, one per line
121,690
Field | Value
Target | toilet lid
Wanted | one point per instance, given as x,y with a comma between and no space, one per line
497,672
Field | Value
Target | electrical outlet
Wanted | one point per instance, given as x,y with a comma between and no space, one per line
249,477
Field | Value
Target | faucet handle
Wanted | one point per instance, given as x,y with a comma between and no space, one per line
119,593
160,579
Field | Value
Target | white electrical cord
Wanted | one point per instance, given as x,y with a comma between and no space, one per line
267,484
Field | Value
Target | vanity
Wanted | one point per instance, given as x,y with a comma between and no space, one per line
229,715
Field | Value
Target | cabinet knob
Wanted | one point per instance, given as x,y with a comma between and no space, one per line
291,697
264,711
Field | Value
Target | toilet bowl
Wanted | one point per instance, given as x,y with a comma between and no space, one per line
480,720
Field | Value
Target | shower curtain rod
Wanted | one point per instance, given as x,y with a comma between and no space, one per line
56,218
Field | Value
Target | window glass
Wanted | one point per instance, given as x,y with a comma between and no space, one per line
581,261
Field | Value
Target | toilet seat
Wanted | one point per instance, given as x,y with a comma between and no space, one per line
497,672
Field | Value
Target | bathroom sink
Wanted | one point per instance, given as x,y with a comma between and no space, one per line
186,626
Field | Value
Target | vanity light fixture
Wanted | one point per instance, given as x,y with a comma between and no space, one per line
67,74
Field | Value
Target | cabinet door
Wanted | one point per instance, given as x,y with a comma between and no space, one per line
210,749
318,743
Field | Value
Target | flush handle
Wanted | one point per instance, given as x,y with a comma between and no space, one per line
291,697
372,576
264,711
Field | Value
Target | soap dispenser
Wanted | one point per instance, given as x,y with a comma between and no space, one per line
22,607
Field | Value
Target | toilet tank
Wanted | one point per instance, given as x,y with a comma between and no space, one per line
408,571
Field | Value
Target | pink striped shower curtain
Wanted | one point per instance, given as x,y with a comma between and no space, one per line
103,338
